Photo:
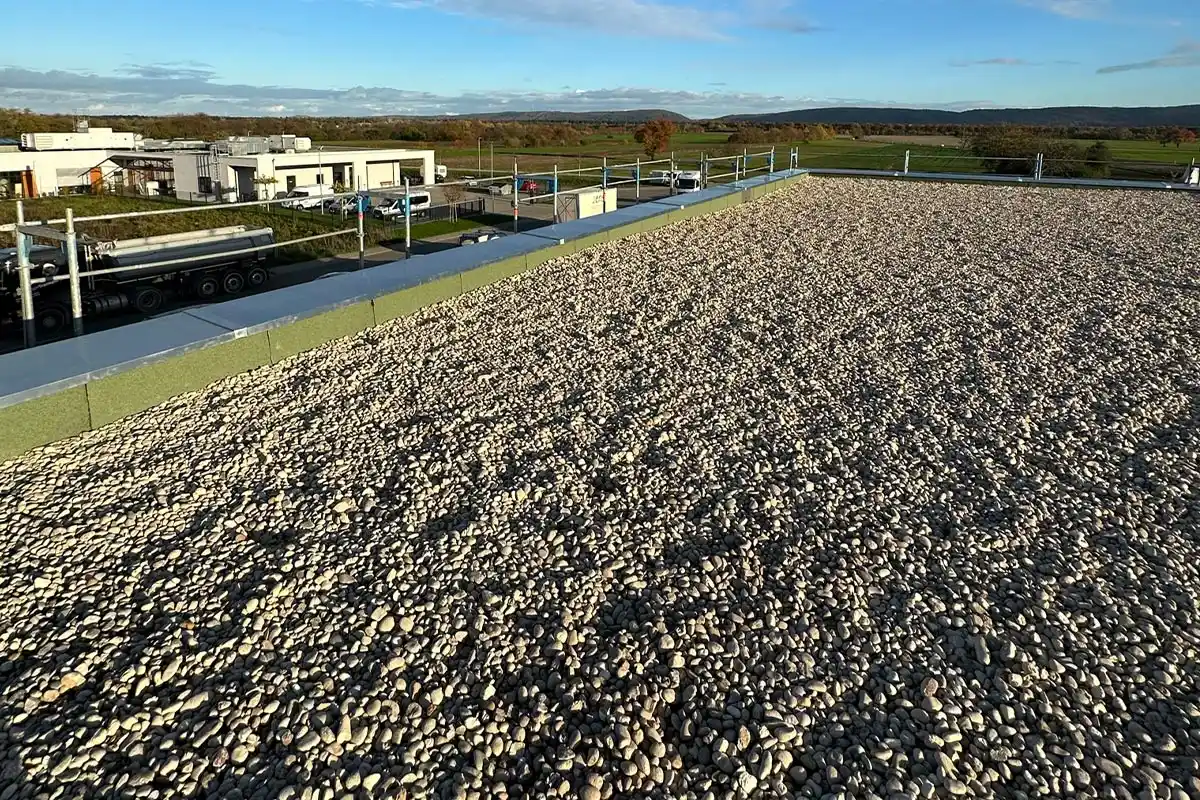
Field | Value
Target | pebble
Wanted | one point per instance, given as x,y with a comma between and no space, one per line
864,489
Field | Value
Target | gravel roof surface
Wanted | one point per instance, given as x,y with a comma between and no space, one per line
866,489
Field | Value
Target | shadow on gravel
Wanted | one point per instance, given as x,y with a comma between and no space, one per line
150,625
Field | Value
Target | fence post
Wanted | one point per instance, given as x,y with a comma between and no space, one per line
27,322
672,166
407,222
637,180
516,199
907,155
745,163
73,275
554,216
604,184
362,244
771,163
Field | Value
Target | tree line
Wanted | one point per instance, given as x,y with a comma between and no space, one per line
526,134
14,122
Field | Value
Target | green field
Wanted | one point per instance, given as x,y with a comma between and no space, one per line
287,223
1131,159
1125,150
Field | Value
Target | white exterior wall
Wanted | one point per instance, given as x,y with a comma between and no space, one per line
306,166
187,174
46,166
304,176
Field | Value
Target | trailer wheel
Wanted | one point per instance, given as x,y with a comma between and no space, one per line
148,300
233,282
256,277
206,287
51,320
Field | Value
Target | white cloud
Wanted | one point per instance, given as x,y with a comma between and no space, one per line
994,62
1074,9
642,18
65,91
1184,54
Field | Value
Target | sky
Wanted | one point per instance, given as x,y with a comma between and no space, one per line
701,58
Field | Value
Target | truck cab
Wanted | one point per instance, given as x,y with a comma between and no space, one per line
686,182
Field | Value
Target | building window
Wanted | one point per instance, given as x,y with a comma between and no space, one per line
205,185
320,178
291,182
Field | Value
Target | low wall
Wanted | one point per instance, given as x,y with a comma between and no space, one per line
62,389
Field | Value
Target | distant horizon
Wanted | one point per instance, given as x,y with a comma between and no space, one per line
638,110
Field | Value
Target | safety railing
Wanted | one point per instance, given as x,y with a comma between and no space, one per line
540,194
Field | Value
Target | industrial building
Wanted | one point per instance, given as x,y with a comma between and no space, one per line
237,168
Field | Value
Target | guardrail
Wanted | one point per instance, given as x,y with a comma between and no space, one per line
526,189
74,385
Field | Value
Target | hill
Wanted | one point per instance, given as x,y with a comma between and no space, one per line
1081,116
615,117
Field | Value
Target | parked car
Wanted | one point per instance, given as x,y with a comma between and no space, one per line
309,197
478,237
342,205
497,189
395,207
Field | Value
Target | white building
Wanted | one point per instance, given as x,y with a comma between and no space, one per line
29,173
238,168
208,175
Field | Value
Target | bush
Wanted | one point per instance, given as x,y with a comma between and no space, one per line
1099,160
1005,151
1013,151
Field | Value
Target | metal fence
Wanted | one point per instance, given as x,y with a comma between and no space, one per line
68,238
1036,166
523,198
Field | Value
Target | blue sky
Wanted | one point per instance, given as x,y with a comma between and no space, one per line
697,57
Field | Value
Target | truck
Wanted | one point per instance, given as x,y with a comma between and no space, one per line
688,181
144,276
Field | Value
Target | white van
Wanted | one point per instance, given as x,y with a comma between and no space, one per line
688,182
394,207
308,196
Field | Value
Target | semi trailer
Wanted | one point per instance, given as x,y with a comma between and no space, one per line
145,273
